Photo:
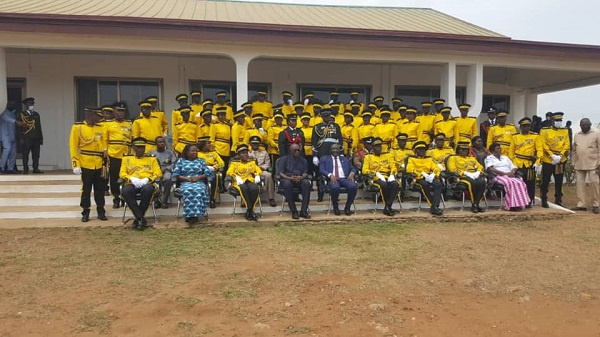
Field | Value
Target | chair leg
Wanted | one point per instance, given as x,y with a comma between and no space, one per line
485,200
234,203
463,202
124,211
178,207
501,200
154,212
443,201
376,199
329,205
260,207
282,205
419,204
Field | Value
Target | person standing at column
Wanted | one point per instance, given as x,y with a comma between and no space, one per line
8,122
555,142
119,142
88,146
586,160
31,134
148,127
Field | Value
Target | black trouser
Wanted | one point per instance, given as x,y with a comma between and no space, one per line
224,173
312,169
92,179
274,158
33,146
114,167
334,191
549,170
389,191
249,191
288,192
431,191
146,193
528,175
476,188
214,190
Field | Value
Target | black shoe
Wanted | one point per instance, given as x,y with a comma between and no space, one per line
528,206
102,216
474,209
336,211
295,215
435,211
320,197
391,211
116,203
85,216
347,211
558,202
25,172
386,211
254,216
595,210
144,223
138,224
304,214
36,171
480,209
212,204
545,203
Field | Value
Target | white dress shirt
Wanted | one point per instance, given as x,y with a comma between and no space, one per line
339,164
503,164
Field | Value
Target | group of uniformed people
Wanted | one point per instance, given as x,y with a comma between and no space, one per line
383,142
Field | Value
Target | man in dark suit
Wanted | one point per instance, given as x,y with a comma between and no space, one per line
340,173
486,125
31,135
293,172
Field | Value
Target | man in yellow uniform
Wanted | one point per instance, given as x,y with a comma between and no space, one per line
386,130
466,126
196,105
402,115
337,113
349,135
401,151
215,164
526,152
238,129
309,101
447,126
470,173
334,98
380,167
182,100
273,136
556,144
262,106
185,132
220,137
245,177
440,151
158,113
395,114
354,100
427,174
316,114
119,141
248,114
203,129
438,105
257,130
501,133
426,123
411,127
355,109
221,105
147,126
287,106
366,129
139,173
88,144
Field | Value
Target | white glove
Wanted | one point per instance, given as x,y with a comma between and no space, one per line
424,174
315,160
429,178
199,114
402,166
468,175
212,168
77,170
380,176
239,180
391,178
476,175
144,181
556,159
262,131
135,181
257,179
537,168
441,167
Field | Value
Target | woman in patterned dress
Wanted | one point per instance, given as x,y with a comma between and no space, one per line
193,173
505,172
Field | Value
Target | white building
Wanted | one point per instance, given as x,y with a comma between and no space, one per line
71,53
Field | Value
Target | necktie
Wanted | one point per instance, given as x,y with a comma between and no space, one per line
336,171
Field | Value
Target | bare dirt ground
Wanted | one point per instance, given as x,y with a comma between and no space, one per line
487,278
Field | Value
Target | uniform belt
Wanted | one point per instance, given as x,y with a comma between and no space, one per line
502,143
91,153
330,140
520,156
118,142
187,142
467,135
222,140
150,142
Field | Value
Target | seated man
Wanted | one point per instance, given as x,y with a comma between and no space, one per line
215,164
381,168
245,176
340,173
264,162
139,173
166,160
470,173
427,175
293,172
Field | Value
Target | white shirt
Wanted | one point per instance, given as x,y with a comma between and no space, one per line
503,164
339,164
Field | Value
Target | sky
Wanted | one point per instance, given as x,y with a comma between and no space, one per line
573,21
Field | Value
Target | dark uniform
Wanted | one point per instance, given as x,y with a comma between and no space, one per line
31,135
289,136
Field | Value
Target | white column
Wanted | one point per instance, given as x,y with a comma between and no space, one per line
448,85
518,106
475,88
241,77
531,100
3,89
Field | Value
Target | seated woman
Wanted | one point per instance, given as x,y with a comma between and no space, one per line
504,171
215,164
470,173
427,175
478,150
245,177
193,173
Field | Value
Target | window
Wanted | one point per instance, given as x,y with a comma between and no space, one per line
413,96
210,89
99,92
322,91
500,102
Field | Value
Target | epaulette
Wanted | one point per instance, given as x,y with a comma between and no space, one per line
510,124
153,116
533,133
149,155
79,123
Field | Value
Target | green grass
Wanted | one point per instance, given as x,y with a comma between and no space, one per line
94,321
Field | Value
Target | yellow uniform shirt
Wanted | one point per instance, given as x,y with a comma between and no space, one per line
264,137
273,138
238,132
426,124
143,167
459,165
212,158
220,137
349,138
448,128
119,137
203,130
265,108
416,166
149,128
466,129
384,164
387,132
440,155
413,130
228,111
184,133
400,157
287,109
163,119
308,140
501,135
555,141
523,147
196,110
247,171
87,144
